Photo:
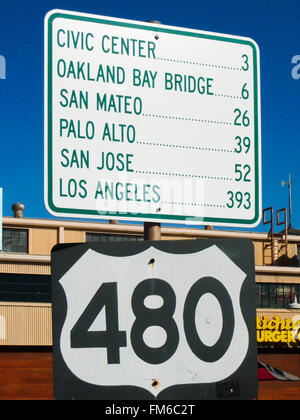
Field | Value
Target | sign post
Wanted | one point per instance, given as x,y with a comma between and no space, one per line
147,122
152,231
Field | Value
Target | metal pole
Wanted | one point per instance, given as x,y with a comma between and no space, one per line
286,237
152,230
285,231
271,232
290,201
290,198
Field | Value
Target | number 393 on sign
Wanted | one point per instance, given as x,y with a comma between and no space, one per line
142,319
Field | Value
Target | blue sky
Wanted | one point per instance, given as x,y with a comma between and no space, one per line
273,25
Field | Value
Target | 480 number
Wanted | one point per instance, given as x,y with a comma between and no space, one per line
113,339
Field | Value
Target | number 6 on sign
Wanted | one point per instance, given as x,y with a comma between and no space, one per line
119,322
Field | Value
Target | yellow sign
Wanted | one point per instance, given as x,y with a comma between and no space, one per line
278,330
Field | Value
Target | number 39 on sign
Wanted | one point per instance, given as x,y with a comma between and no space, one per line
154,320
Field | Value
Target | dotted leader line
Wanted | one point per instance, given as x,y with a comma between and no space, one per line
192,204
197,63
186,119
178,146
223,95
184,175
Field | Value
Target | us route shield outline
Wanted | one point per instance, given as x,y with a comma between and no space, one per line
181,271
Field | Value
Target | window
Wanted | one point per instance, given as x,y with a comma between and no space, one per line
103,237
276,296
269,295
265,294
15,240
25,288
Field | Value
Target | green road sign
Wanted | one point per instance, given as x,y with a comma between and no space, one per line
148,122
